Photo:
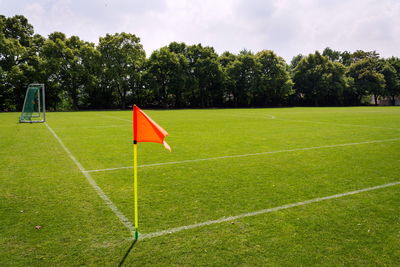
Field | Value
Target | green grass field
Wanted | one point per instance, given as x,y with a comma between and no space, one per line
281,156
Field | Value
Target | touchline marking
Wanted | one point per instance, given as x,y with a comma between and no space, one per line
124,220
248,115
247,155
340,124
254,213
114,117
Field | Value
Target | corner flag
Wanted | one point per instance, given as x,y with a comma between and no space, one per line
147,130
144,130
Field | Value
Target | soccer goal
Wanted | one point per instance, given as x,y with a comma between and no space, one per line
34,104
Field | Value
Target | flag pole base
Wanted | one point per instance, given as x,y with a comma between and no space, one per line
136,234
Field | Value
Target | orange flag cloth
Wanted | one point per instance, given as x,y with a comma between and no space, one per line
147,130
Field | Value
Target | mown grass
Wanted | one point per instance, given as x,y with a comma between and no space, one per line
40,185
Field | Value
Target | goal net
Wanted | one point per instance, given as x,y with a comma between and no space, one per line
34,104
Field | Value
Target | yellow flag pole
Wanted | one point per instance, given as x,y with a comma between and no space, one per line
135,189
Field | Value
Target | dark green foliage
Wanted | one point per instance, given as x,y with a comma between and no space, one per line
167,76
319,81
243,79
367,78
15,40
122,59
391,71
205,76
116,73
295,61
275,84
332,55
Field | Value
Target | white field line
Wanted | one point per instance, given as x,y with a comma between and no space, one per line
248,155
94,126
124,220
248,115
341,124
115,117
269,116
259,212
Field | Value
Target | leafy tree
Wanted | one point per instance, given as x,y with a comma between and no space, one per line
352,94
360,55
295,61
319,81
181,90
205,76
15,39
56,57
346,58
367,78
18,28
166,75
122,60
178,48
332,55
391,72
226,58
5,92
78,70
274,81
10,48
94,94
243,78
79,74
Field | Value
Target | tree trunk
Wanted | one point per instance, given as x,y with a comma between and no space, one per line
376,99
122,95
74,96
123,100
316,103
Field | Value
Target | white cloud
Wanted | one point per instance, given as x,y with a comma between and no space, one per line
288,27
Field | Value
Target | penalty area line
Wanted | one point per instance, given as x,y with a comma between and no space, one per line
124,220
264,211
248,155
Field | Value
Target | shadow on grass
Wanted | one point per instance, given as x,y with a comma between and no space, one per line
127,253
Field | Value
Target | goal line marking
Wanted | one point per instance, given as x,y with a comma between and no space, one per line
247,155
124,220
264,211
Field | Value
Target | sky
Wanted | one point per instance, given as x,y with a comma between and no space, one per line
288,27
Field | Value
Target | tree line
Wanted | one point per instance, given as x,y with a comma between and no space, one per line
116,73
